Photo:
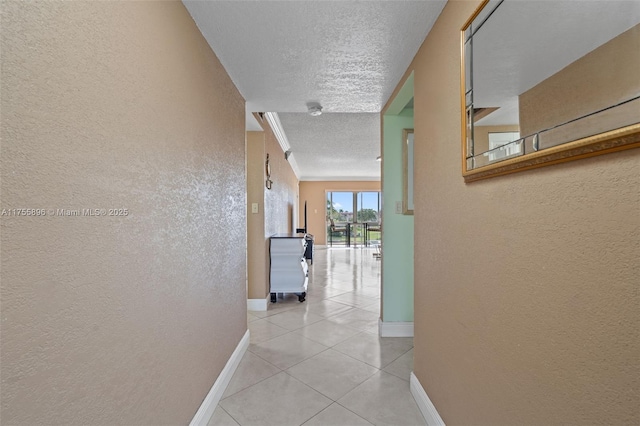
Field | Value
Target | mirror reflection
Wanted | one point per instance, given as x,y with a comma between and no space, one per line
541,74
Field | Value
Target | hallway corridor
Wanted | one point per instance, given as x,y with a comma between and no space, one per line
321,362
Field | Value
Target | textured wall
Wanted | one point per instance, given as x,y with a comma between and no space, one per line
129,319
526,285
257,246
315,194
275,206
280,202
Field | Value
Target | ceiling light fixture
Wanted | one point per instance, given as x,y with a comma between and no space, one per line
315,109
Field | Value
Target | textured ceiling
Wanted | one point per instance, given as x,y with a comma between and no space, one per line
348,151
346,55
349,56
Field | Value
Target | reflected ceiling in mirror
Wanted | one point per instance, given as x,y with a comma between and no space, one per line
546,82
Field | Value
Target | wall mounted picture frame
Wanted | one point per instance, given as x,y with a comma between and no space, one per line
407,171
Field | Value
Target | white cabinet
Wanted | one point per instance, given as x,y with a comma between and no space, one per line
289,270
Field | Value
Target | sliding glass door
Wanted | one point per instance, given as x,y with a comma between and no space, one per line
339,215
350,215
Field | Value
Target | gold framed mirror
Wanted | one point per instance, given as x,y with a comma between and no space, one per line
540,86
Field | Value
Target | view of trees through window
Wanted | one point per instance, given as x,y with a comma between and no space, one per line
353,218
342,205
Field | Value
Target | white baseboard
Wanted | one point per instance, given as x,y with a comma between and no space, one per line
208,406
424,403
258,304
395,329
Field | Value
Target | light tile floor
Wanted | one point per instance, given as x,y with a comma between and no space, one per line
321,362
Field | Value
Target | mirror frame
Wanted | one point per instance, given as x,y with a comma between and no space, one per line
603,143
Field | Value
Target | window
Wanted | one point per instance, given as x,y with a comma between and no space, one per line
504,145
347,214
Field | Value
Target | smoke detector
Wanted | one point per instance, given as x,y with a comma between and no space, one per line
315,109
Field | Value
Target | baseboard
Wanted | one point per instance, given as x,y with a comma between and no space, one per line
424,403
208,406
258,304
395,329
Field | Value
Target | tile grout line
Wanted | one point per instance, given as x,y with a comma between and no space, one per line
362,302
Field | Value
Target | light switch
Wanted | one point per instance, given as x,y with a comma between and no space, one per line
254,207
399,207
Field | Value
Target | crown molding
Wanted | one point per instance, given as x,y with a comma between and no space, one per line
281,137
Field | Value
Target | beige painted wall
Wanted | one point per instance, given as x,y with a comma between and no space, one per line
526,285
257,245
281,201
275,207
315,193
117,320
601,78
